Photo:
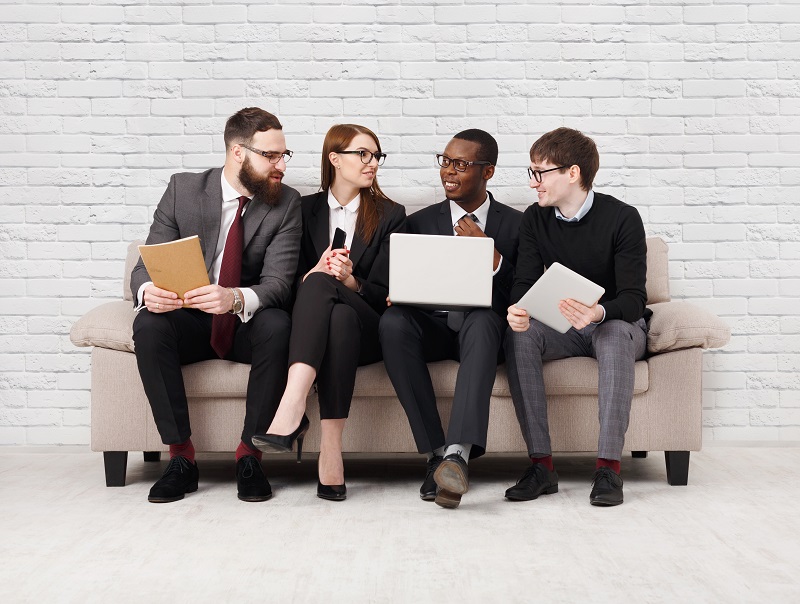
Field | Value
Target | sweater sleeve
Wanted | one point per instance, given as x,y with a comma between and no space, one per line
529,266
630,268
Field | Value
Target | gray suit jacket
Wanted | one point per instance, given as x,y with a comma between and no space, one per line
192,205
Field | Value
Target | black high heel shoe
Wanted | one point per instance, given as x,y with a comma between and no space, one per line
276,443
332,492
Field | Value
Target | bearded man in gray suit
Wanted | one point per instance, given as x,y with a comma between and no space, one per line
249,225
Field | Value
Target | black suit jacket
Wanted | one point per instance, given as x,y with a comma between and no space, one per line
502,225
192,205
370,258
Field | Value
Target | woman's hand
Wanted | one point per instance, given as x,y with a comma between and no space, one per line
341,267
322,265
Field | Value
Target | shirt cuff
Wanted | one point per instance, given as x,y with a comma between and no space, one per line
140,296
252,304
604,316
499,264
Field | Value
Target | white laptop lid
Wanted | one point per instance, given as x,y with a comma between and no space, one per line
439,272
558,283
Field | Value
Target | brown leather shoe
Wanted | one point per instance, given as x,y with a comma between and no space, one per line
447,499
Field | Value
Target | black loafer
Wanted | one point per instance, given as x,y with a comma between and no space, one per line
427,492
536,480
252,484
606,488
453,474
332,492
179,478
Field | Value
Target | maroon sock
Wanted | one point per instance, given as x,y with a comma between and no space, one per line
245,449
184,449
546,461
608,463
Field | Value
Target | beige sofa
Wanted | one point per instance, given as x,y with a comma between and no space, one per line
666,414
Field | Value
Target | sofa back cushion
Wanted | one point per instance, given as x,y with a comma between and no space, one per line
657,271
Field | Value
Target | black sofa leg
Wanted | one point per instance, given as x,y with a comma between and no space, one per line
152,455
116,464
638,454
677,467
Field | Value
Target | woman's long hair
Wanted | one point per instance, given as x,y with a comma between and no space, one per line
370,208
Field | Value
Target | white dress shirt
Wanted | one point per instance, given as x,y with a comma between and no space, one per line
230,204
342,216
482,214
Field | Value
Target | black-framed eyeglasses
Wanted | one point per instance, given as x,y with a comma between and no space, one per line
537,174
367,156
273,157
460,165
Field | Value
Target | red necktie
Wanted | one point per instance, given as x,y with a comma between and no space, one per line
230,273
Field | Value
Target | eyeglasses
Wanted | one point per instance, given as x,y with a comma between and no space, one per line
366,156
273,157
460,165
537,174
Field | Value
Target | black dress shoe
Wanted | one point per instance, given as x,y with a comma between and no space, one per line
606,488
332,492
179,478
447,499
277,443
536,480
250,480
427,492
452,474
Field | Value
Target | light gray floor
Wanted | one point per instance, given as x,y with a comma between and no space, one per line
732,535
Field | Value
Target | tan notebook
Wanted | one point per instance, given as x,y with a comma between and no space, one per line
176,266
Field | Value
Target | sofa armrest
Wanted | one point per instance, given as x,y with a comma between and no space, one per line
678,325
109,325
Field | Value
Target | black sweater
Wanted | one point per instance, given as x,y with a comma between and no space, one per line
606,246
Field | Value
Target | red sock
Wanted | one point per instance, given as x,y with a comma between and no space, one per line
608,463
245,449
184,449
546,461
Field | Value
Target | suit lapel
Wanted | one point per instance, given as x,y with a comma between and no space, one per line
252,219
445,218
211,215
493,219
358,246
319,223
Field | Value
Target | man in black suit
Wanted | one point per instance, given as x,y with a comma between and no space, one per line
411,337
249,226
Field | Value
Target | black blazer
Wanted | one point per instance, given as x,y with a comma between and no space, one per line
502,225
370,259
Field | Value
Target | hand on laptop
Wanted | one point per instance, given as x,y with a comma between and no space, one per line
580,315
518,318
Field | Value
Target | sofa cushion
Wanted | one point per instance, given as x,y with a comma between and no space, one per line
657,271
109,325
677,325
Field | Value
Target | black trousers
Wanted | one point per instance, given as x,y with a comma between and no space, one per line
410,339
166,341
335,331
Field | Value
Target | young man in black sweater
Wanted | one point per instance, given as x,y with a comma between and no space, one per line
602,239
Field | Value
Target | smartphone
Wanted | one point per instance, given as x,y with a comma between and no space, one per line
339,237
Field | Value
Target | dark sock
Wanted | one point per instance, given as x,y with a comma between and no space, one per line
546,461
245,449
184,449
608,463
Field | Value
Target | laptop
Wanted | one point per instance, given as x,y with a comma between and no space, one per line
558,283
441,272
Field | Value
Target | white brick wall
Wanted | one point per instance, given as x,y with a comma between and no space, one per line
694,104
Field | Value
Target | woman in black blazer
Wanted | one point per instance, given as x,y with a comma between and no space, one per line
341,295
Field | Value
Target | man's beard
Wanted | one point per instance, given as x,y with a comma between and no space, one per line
263,188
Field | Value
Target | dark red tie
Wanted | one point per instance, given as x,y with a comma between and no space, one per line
230,273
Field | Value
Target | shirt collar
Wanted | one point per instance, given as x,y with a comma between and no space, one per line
228,192
587,205
352,207
482,213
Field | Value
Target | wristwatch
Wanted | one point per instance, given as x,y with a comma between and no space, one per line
238,304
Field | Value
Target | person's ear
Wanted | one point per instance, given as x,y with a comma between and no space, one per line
237,151
488,172
333,157
574,174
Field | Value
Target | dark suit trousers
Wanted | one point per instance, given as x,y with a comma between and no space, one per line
411,338
166,341
334,331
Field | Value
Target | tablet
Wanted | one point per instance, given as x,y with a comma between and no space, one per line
558,283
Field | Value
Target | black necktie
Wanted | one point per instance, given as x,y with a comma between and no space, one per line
455,318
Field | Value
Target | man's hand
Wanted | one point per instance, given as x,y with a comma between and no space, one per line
579,315
518,318
465,227
159,300
213,299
